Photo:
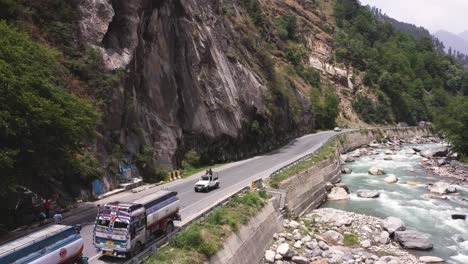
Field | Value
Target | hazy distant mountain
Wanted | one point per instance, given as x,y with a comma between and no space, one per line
457,42
464,35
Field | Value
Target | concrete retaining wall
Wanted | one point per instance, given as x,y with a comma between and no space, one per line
248,245
306,190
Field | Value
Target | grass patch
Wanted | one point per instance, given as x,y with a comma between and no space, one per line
203,239
172,255
326,152
382,253
351,240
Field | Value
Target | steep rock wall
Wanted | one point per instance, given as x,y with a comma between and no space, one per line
182,90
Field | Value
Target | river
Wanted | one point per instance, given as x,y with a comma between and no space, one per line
433,216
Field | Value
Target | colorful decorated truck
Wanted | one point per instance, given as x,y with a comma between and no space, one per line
122,229
52,245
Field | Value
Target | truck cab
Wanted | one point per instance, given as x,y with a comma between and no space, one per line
207,182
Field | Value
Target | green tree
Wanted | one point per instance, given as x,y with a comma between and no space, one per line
454,124
43,128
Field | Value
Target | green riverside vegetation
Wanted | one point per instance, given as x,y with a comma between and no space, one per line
203,239
326,152
411,77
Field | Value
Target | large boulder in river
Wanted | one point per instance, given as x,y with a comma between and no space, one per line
367,194
376,171
342,185
414,240
391,179
346,158
441,188
393,224
346,170
441,151
337,194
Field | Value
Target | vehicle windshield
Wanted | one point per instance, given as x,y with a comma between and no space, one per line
103,222
120,225
205,178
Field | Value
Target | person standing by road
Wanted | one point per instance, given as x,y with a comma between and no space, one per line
58,217
47,204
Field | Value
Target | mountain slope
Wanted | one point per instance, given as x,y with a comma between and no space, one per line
453,41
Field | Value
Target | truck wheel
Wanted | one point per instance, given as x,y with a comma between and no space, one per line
136,250
217,185
169,227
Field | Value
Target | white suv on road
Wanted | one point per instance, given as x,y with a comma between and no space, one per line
207,182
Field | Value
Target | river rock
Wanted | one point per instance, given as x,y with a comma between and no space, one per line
298,244
342,185
329,186
441,162
322,245
414,239
346,170
392,224
334,236
441,151
417,149
442,188
384,237
391,179
321,261
346,158
337,194
367,194
366,243
376,171
343,221
388,260
431,259
293,224
410,152
458,216
270,256
388,158
283,249
388,152
300,260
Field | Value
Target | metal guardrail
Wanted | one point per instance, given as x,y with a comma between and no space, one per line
151,248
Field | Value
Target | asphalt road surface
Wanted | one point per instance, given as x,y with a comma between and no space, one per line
233,177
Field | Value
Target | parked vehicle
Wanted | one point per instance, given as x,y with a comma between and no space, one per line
122,229
337,129
51,245
207,182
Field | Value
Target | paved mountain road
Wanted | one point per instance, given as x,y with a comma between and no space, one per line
233,177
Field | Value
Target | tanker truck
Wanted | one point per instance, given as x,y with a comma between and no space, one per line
122,229
52,245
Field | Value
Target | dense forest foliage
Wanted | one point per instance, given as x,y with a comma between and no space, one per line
420,32
42,126
412,79
414,82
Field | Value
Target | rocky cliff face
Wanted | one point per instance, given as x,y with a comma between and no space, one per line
182,89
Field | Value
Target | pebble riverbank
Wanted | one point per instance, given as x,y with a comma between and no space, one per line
333,236
330,235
